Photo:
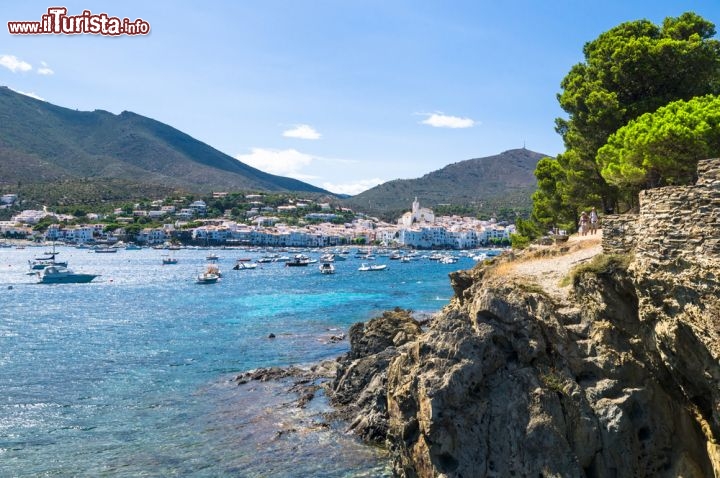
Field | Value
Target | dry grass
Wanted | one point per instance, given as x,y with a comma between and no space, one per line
546,266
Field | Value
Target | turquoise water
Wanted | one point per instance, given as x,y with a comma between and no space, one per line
131,375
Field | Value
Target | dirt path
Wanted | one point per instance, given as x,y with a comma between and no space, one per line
548,265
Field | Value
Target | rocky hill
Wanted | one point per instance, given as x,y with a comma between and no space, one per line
572,360
493,184
47,144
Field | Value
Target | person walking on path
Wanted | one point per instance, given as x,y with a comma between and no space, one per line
584,223
593,221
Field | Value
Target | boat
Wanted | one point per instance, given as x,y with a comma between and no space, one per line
242,265
327,258
327,268
210,276
375,267
405,259
40,263
448,260
105,250
212,257
206,278
132,247
298,261
62,275
167,260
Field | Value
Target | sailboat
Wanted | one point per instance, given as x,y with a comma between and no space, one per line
40,263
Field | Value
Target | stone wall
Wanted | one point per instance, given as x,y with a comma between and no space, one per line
674,222
619,233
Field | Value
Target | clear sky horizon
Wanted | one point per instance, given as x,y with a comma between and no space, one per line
344,95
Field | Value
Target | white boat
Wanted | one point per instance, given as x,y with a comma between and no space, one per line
375,267
207,278
300,260
212,257
132,247
448,260
242,265
327,268
62,275
105,249
405,259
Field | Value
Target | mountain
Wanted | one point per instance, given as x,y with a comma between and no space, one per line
44,143
504,182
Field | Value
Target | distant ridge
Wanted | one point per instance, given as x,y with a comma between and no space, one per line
504,182
44,143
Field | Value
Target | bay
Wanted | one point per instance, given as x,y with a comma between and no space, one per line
131,375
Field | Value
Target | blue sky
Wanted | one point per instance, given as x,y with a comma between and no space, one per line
343,94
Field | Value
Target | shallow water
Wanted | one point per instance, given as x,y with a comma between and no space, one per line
131,375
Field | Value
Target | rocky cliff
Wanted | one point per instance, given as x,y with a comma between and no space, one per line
613,372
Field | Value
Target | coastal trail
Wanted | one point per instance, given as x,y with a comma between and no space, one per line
547,266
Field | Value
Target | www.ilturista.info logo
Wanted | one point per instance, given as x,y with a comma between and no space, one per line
58,22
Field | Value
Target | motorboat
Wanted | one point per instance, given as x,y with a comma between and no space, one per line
448,260
327,268
298,261
207,278
56,274
105,249
242,265
168,260
375,267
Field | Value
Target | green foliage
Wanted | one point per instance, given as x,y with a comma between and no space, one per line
43,223
632,69
663,147
519,241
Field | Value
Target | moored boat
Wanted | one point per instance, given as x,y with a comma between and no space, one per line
298,261
327,268
62,275
168,260
375,267
206,278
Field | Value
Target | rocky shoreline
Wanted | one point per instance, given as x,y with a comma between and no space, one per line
569,360
513,380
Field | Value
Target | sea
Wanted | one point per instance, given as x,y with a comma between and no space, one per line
132,375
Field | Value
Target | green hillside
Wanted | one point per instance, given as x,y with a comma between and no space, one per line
44,143
494,185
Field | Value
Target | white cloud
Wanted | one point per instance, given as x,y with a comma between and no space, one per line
31,95
440,120
14,64
285,162
352,188
302,131
45,69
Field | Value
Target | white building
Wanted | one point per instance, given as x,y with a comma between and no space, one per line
418,215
